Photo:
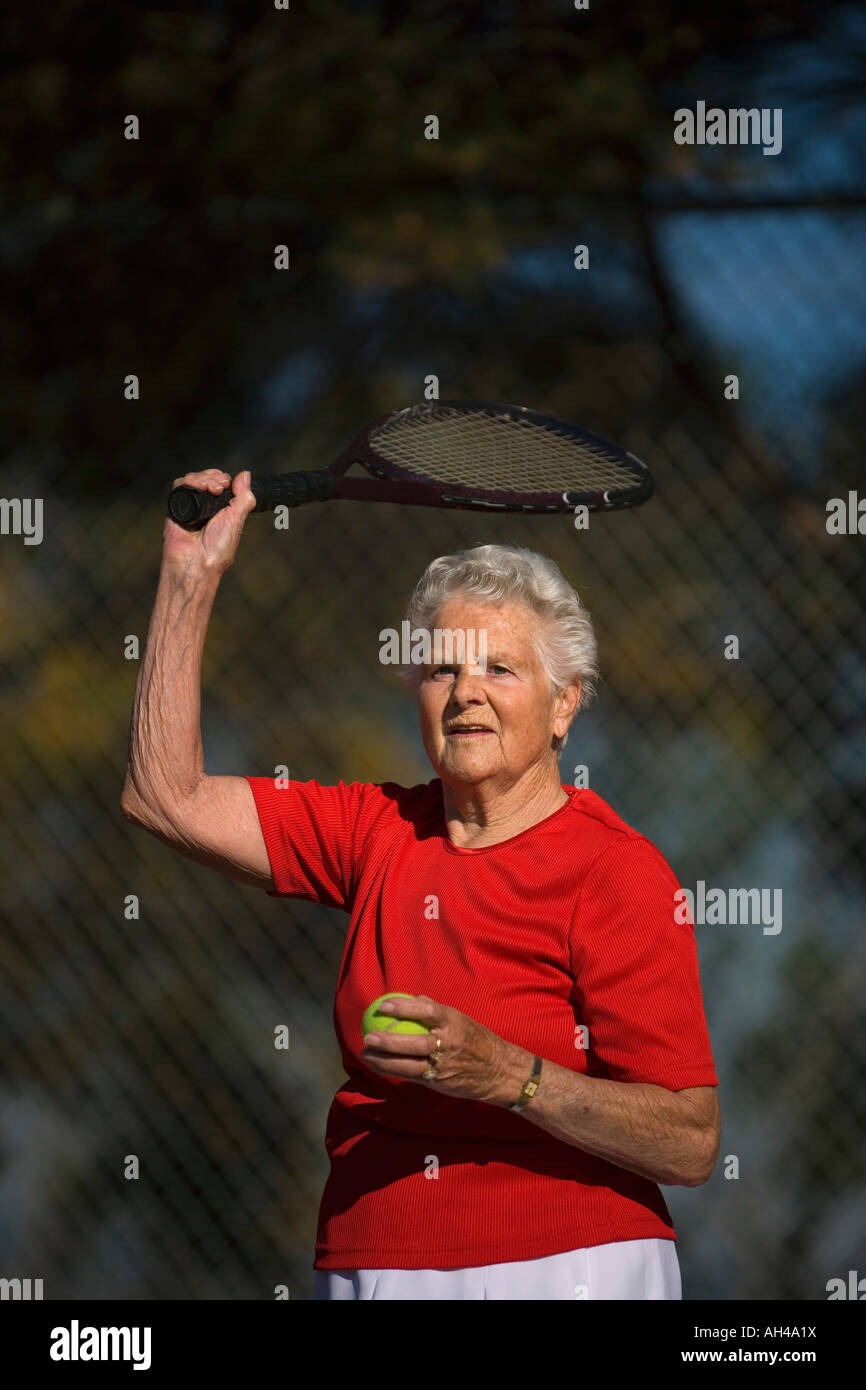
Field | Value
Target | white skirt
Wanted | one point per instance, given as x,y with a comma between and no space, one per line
625,1269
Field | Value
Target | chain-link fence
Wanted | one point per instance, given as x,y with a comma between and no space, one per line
141,992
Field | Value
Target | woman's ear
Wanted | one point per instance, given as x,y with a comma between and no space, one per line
568,701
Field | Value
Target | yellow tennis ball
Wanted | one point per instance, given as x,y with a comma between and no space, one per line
374,1022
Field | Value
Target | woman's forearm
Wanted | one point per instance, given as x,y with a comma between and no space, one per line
661,1135
165,760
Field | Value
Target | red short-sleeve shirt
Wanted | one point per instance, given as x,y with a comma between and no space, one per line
563,940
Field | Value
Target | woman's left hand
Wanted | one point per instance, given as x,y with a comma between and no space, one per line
472,1062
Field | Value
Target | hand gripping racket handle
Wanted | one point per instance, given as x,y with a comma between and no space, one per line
191,508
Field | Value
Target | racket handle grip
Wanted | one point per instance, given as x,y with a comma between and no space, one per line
192,508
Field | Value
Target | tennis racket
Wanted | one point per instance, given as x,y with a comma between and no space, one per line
472,455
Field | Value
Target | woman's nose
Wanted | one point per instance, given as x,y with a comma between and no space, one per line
468,684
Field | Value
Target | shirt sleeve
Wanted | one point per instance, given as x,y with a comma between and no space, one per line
310,836
637,981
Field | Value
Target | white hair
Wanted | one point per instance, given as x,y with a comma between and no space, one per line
564,640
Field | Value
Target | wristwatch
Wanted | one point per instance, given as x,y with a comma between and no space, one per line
529,1088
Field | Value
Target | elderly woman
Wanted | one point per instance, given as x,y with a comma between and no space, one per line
514,1150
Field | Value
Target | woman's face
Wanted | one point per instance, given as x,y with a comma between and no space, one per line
509,700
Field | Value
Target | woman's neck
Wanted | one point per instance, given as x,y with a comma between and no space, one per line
478,814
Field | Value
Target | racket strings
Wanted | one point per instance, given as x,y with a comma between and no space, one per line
498,453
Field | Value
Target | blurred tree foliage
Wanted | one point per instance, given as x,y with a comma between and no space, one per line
155,257
305,127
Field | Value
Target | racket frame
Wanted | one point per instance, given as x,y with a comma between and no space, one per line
389,482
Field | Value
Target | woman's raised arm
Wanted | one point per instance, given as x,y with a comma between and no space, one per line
212,820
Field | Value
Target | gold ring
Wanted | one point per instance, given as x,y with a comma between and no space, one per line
430,1073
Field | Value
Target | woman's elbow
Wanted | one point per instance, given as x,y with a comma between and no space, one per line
703,1153
131,805
140,810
